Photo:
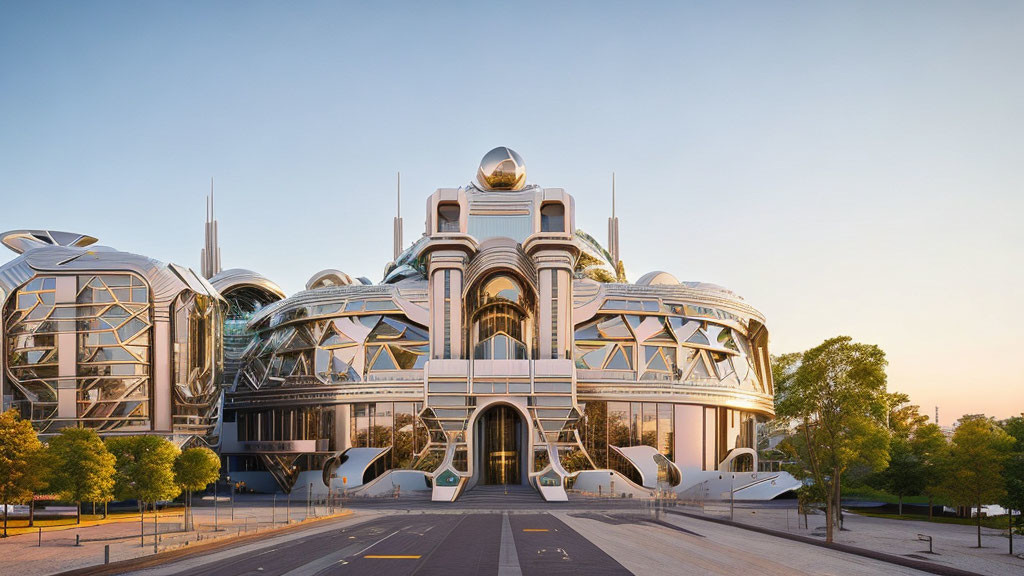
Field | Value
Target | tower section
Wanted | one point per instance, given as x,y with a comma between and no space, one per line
499,394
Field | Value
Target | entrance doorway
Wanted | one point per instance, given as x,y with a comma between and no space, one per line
500,446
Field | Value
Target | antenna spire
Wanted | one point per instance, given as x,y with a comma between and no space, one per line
613,230
398,219
209,256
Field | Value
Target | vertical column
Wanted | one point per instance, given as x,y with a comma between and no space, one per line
455,313
545,318
67,350
446,305
162,369
563,308
342,427
710,438
554,306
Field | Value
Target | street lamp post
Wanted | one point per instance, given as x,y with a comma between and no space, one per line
215,507
232,498
732,498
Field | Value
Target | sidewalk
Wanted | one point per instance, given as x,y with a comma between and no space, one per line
59,553
953,544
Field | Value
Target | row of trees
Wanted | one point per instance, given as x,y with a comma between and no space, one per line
845,422
78,466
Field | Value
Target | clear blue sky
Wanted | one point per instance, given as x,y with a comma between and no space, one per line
848,168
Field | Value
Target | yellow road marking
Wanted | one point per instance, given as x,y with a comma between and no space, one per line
392,556
535,530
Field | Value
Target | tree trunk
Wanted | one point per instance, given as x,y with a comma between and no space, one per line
930,507
142,523
78,511
979,523
829,513
901,504
5,518
105,510
1009,519
839,501
32,512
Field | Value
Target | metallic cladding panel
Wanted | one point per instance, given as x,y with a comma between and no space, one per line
485,226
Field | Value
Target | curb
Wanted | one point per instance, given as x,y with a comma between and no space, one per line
874,555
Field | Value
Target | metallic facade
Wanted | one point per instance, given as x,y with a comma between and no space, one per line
110,340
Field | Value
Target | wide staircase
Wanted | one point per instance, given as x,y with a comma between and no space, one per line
512,495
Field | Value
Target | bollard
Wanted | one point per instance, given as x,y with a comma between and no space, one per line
928,539
78,539
106,554
40,537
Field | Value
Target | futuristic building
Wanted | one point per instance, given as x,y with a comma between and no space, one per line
109,340
503,346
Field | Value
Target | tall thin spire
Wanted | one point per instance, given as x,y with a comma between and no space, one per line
613,230
398,220
209,256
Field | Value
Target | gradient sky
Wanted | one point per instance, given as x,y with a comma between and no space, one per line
848,168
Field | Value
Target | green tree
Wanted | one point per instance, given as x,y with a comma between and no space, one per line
835,394
195,469
973,472
931,447
905,475
22,467
1013,471
914,449
145,470
82,467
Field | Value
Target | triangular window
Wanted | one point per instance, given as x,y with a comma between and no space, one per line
700,368
383,361
619,360
699,338
656,361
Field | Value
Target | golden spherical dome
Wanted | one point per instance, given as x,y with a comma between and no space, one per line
502,169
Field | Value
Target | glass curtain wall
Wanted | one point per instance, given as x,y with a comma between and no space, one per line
396,424
625,424
500,321
111,318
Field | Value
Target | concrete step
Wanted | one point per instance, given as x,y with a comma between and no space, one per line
512,494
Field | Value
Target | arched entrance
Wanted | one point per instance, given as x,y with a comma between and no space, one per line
500,455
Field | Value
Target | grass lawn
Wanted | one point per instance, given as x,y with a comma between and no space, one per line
997,522
868,493
20,525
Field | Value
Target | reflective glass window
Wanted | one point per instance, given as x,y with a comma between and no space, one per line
448,217
552,217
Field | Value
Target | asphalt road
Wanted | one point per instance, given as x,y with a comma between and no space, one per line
545,545
449,544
